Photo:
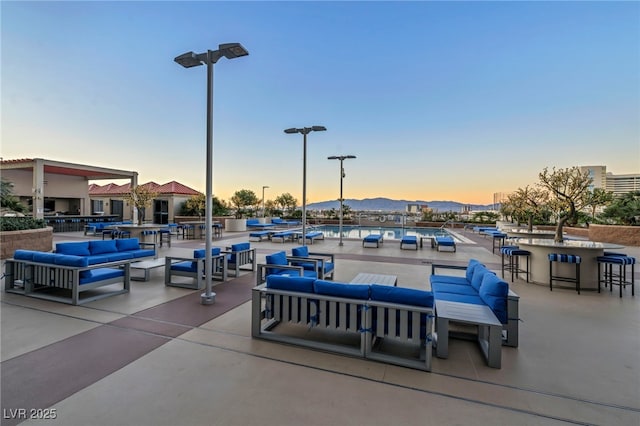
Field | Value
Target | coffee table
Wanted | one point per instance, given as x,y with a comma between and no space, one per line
367,278
147,266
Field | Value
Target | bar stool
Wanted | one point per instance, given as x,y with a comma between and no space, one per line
150,232
165,236
188,232
564,258
513,253
609,277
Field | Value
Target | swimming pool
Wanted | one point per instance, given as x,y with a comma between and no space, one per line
389,233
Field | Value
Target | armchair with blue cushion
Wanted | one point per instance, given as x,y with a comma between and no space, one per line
239,255
279,264
195,268
323,263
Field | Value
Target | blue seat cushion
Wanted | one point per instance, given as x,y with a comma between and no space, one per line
23,254
278,258
102,246
125,244
410,239
405,296
115,257
43,257
445,241
449,279
372,238
493,292
80,248
462,298
94,275
199,254
438,288
349,291
185,266
299,284
71,260
99,258
240,246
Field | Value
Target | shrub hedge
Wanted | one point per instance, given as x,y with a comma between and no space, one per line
20,223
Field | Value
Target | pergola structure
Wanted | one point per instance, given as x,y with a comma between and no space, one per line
39,178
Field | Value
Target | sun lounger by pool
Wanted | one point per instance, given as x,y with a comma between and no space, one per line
445,241
311,236
255,224
281,222
259,235
409,240
283,236
372,239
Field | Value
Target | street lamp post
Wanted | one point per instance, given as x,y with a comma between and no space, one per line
209,58
263,188
305,131
341,158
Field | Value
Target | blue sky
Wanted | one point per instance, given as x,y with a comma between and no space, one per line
438,100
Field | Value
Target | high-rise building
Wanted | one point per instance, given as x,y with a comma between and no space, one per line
618,184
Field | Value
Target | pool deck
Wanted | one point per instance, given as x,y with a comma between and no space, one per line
156,356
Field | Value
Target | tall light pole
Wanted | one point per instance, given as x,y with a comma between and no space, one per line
305,131
208,58
341,158
263,188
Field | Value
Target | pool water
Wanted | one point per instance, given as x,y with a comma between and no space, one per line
389,233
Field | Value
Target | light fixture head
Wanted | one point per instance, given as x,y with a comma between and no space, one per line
188,60
291,130
318,128
232,50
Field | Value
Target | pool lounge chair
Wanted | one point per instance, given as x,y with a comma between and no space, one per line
409,240
376,239
311,236
287,223
255,224
445,241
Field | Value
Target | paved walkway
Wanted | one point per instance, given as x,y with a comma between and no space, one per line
156,356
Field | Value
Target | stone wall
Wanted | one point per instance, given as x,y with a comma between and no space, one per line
624,235
30,239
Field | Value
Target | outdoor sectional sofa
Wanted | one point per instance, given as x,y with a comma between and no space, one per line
75,268
478,287
351,319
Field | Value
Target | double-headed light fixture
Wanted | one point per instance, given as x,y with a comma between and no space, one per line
342,175
208,58
305,131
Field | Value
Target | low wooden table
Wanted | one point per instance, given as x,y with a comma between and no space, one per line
489,328
147,266
366,278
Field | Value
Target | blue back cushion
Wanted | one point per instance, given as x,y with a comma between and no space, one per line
471,268
252,221
302,251
104,246
278,258
350,291
300,284
80,248
125,244
478,275
71,260
405,296
199,254
23,254
240,246
493,292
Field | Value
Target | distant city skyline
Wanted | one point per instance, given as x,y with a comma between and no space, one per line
438,100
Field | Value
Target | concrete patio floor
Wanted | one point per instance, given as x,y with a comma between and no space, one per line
577,363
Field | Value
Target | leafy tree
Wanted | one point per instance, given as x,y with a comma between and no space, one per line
598,197
8,200
346,211
568,193
270,208
242,199
287,203
140,197
625,208
196,206
526,204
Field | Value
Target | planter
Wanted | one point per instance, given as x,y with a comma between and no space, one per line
235,225
29,239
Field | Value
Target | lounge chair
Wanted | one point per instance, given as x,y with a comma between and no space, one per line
283,236
259,235
255,224
194,268
287,223
311,236
279,264
370,239
241,254
445,241
323,263
409,240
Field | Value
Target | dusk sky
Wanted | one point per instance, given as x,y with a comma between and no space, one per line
438,100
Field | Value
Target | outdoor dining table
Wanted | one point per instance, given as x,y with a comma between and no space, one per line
540,248
199,228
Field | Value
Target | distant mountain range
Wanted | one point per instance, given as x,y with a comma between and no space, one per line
386,204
